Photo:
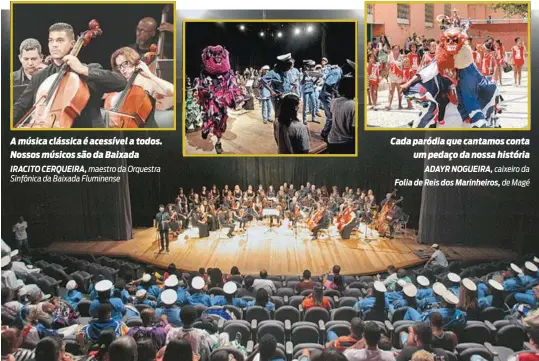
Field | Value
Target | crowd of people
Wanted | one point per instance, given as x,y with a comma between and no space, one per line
159,316
297,94
397,64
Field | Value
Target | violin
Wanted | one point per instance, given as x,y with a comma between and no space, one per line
61,98
129,108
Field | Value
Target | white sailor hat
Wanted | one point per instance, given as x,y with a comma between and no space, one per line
496,285
5,261
230,287
450,297
423,281
379,286
197,283
401,282
438,288
453,277
285,57
71,285
265,67
103,286
146,277
410,290
469,284
169,297
140,293
516,268
535,259
171,281
530,266
435,245
326,59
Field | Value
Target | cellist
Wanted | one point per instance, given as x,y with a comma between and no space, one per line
99,80
348,219
321,219
126,61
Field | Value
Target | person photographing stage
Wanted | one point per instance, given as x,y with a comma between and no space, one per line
161,223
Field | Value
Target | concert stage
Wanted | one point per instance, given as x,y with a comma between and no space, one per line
280,251
247,134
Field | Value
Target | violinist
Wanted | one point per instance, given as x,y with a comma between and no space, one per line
215,195
238,194
126,61
294,210
323,223
204,194
146,35
31,61
99,81
181,198
249,193
225,191
349,220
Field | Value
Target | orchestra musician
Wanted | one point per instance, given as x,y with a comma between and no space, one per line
31,60
204,194
174,225
126,61
200,221
215,195
146,32
238,194
226,220
181,198
388,198
162,220
240,216
99,80
271,192
323,222
294,211
225,191
208,214
349,219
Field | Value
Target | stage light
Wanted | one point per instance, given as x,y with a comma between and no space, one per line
310,29
297,31
262,34
242,27
279,34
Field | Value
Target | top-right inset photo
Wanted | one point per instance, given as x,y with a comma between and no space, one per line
447,66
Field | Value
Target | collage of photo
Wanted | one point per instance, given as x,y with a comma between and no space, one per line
308,183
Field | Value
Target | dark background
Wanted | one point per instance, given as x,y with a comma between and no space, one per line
473,216
248,49
118,22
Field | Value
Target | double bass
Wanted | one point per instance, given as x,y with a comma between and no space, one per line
61,98
162,102
386,216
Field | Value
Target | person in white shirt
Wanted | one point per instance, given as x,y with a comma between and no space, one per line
263,282
438,257
372,352
391,279
21,236
9,279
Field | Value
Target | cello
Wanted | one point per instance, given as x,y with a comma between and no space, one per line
344,219
315,219
62,96
386,216
129,108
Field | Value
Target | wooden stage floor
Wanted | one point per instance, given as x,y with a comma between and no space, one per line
280,251
247,134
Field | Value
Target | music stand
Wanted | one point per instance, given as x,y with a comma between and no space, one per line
269,212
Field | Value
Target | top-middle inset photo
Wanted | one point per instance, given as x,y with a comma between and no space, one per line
269,87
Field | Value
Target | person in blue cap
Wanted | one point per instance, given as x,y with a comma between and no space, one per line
265,97
308,80
169,309
278,81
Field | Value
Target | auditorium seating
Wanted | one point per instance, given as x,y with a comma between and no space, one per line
491,336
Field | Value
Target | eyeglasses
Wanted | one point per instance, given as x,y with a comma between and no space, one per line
123,65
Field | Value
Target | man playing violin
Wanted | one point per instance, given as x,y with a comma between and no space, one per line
99,81
31,61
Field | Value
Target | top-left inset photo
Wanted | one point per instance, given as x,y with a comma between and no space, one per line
98,66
